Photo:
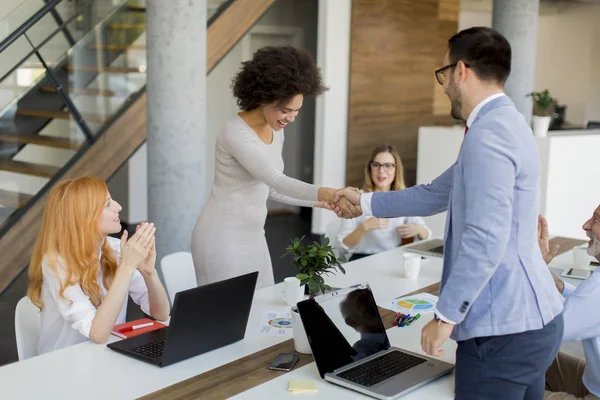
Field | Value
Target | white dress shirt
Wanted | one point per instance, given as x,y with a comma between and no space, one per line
66,322
376,240
365,198
582,323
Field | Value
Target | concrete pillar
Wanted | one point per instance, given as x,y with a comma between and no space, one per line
517,20
176,87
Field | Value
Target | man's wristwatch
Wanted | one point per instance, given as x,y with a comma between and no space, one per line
439,321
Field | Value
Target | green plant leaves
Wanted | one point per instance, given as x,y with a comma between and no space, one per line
313,261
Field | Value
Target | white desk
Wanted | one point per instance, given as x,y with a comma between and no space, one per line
408,338
100,373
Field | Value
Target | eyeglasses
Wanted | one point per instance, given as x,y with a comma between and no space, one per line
439,73
386,166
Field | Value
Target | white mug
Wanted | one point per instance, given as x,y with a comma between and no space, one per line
412,265
301,344
292,291
580,257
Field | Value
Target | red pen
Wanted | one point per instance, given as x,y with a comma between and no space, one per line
133,327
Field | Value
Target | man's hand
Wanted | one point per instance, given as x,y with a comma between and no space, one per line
560,285
348,200
433,337
543,241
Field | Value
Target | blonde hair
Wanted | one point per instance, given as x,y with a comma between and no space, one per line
69,239
398,182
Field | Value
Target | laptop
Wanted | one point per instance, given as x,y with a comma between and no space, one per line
202,319
431,248
351,348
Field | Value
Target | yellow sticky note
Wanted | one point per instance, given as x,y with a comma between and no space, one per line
302,386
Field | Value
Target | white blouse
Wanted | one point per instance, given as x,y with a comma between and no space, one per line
376,240
66,322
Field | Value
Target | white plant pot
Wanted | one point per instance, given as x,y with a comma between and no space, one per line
541,125
301,344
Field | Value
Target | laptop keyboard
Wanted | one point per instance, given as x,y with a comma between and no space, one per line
381,368
152,350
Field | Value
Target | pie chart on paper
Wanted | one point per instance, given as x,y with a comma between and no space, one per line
417,303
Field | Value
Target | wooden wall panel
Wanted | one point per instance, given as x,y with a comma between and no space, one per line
396,45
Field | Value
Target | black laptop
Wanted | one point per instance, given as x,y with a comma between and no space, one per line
202,319
351,348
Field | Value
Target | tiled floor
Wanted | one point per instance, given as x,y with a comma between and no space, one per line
279,230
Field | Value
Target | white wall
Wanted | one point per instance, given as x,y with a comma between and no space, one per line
567,57
437,150
333,56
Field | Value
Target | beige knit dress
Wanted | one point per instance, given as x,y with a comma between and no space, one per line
229,236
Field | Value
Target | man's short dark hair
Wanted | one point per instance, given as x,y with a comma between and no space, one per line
484,50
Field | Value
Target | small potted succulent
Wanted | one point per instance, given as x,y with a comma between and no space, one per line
543,107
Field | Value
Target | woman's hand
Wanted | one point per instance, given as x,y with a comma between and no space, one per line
412,230
135,250
147,267
327,206
375,223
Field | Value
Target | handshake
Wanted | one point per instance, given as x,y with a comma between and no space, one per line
344,202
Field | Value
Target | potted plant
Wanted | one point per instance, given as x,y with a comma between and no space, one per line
543,107
313,261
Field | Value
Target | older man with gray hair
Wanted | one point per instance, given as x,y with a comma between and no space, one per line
569,377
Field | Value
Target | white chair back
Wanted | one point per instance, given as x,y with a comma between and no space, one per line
178,272
332,230
28,326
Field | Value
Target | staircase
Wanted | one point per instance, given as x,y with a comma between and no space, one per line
84,112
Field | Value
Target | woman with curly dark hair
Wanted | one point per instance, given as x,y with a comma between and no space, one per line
229,236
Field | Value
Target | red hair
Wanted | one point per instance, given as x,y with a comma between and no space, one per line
69,239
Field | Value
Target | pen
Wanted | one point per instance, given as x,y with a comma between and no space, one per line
396,319
133,327
404,320
416,317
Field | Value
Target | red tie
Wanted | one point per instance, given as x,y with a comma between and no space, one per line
466,130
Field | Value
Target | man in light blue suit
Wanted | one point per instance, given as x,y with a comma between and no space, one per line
497,297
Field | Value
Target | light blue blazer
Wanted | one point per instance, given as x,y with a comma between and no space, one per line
494,281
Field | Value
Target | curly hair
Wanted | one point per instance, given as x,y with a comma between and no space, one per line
276,74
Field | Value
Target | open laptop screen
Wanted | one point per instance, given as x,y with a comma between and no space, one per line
342,327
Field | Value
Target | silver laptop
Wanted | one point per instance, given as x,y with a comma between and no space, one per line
431,248
351,348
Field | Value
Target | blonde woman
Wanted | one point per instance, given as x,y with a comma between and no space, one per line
79,277
364,236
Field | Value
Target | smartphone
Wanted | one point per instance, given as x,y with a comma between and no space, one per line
576,273
284,362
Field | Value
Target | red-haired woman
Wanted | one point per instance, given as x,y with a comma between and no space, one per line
79,277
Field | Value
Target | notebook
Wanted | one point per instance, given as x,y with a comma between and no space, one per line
135,332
